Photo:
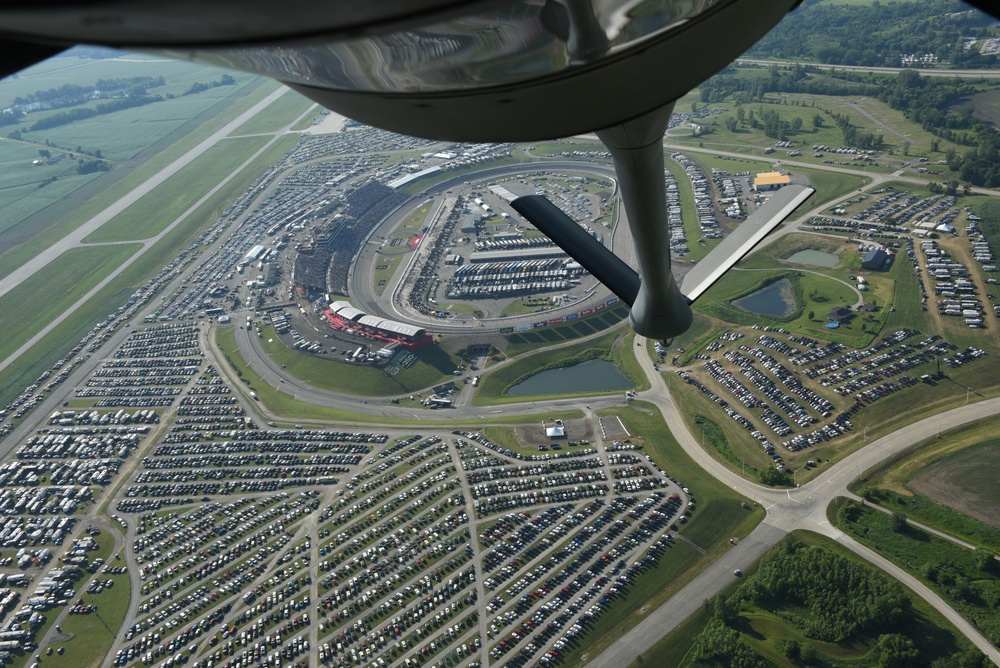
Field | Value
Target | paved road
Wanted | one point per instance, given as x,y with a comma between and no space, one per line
802,508
75,239
962,74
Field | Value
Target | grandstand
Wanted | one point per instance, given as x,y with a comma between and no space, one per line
341,315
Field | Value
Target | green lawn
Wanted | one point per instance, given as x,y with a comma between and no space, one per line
93,635
286,407
815,294
435,366
282,113
39,299
152,213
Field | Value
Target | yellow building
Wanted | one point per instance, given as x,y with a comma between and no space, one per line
770,180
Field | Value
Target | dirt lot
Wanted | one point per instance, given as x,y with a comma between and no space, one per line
968,481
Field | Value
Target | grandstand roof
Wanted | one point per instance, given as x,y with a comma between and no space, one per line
349,312
402,329
372,321
409,178
345,311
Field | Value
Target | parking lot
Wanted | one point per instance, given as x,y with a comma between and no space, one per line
249,543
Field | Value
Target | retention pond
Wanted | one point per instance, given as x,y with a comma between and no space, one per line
776,299
591,376
814,257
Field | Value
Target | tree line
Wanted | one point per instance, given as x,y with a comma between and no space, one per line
924,100
80,113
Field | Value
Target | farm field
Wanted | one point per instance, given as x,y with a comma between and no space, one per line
116,137
963,482
966,507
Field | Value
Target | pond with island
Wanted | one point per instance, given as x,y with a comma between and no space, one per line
592,376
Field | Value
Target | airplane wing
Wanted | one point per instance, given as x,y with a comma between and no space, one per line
624,281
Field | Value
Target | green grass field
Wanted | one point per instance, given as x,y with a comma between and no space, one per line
37,301
54,72
70,217
54,345
435,366
121,135
289,409
495,383
953,572
93,635
152,213
815,294
285,111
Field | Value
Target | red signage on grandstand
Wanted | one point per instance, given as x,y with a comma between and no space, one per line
341,315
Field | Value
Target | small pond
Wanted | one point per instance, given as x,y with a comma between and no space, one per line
591,376
776,299
815,257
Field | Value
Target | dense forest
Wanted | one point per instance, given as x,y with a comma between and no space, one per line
825,597
878,35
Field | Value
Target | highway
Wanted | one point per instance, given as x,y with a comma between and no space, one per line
923,71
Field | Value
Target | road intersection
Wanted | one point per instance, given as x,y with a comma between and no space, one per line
802,508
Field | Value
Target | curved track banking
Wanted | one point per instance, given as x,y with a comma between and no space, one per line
363,293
